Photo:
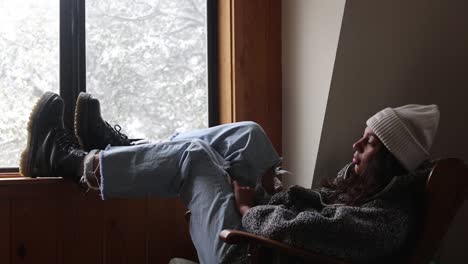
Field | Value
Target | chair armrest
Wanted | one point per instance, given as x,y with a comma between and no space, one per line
239,237
187,216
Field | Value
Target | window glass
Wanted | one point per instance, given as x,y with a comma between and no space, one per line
146,62
29,65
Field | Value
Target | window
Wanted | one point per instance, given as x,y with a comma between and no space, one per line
29,66
145,60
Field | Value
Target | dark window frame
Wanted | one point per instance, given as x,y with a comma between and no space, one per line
212,59
72,55
73,60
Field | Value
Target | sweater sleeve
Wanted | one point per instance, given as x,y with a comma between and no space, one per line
356,233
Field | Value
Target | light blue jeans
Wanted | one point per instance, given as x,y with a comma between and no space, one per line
194,166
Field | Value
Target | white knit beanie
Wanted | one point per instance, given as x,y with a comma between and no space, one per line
407,131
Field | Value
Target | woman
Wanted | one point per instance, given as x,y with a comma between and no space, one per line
370,212
197,166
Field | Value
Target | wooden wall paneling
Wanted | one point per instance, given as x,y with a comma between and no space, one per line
169,236
273,109
5,230
250,64
57,223
66,225
257,64
183,242
36,205
159,225
86,242
125,231
33,188
34,231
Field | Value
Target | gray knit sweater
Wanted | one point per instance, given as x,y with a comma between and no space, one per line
380,227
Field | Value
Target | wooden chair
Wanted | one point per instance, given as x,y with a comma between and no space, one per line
446,189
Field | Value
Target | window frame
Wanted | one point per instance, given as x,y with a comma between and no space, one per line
72,65
72,55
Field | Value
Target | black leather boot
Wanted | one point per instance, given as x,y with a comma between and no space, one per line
91,130
50,151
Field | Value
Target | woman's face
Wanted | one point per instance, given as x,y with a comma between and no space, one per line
366,149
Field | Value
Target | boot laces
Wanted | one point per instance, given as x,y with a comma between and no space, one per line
116,135
66,141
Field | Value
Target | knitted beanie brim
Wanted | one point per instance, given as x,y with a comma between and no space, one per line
397,138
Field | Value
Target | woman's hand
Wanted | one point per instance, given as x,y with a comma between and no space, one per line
245,197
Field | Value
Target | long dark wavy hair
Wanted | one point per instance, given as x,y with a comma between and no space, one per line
354,189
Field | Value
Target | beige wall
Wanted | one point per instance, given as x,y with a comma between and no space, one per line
390,53
310,30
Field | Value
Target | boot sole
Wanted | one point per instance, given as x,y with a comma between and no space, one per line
29,154
81,118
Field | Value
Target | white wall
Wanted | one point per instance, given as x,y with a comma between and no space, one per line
310,30
390,53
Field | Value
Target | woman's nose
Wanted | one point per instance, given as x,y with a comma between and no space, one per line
358,145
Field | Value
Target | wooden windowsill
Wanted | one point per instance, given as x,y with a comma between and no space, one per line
10,175
16,178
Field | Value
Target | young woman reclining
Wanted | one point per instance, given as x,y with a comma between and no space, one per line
225,175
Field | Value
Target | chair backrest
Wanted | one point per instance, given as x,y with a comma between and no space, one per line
446,190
